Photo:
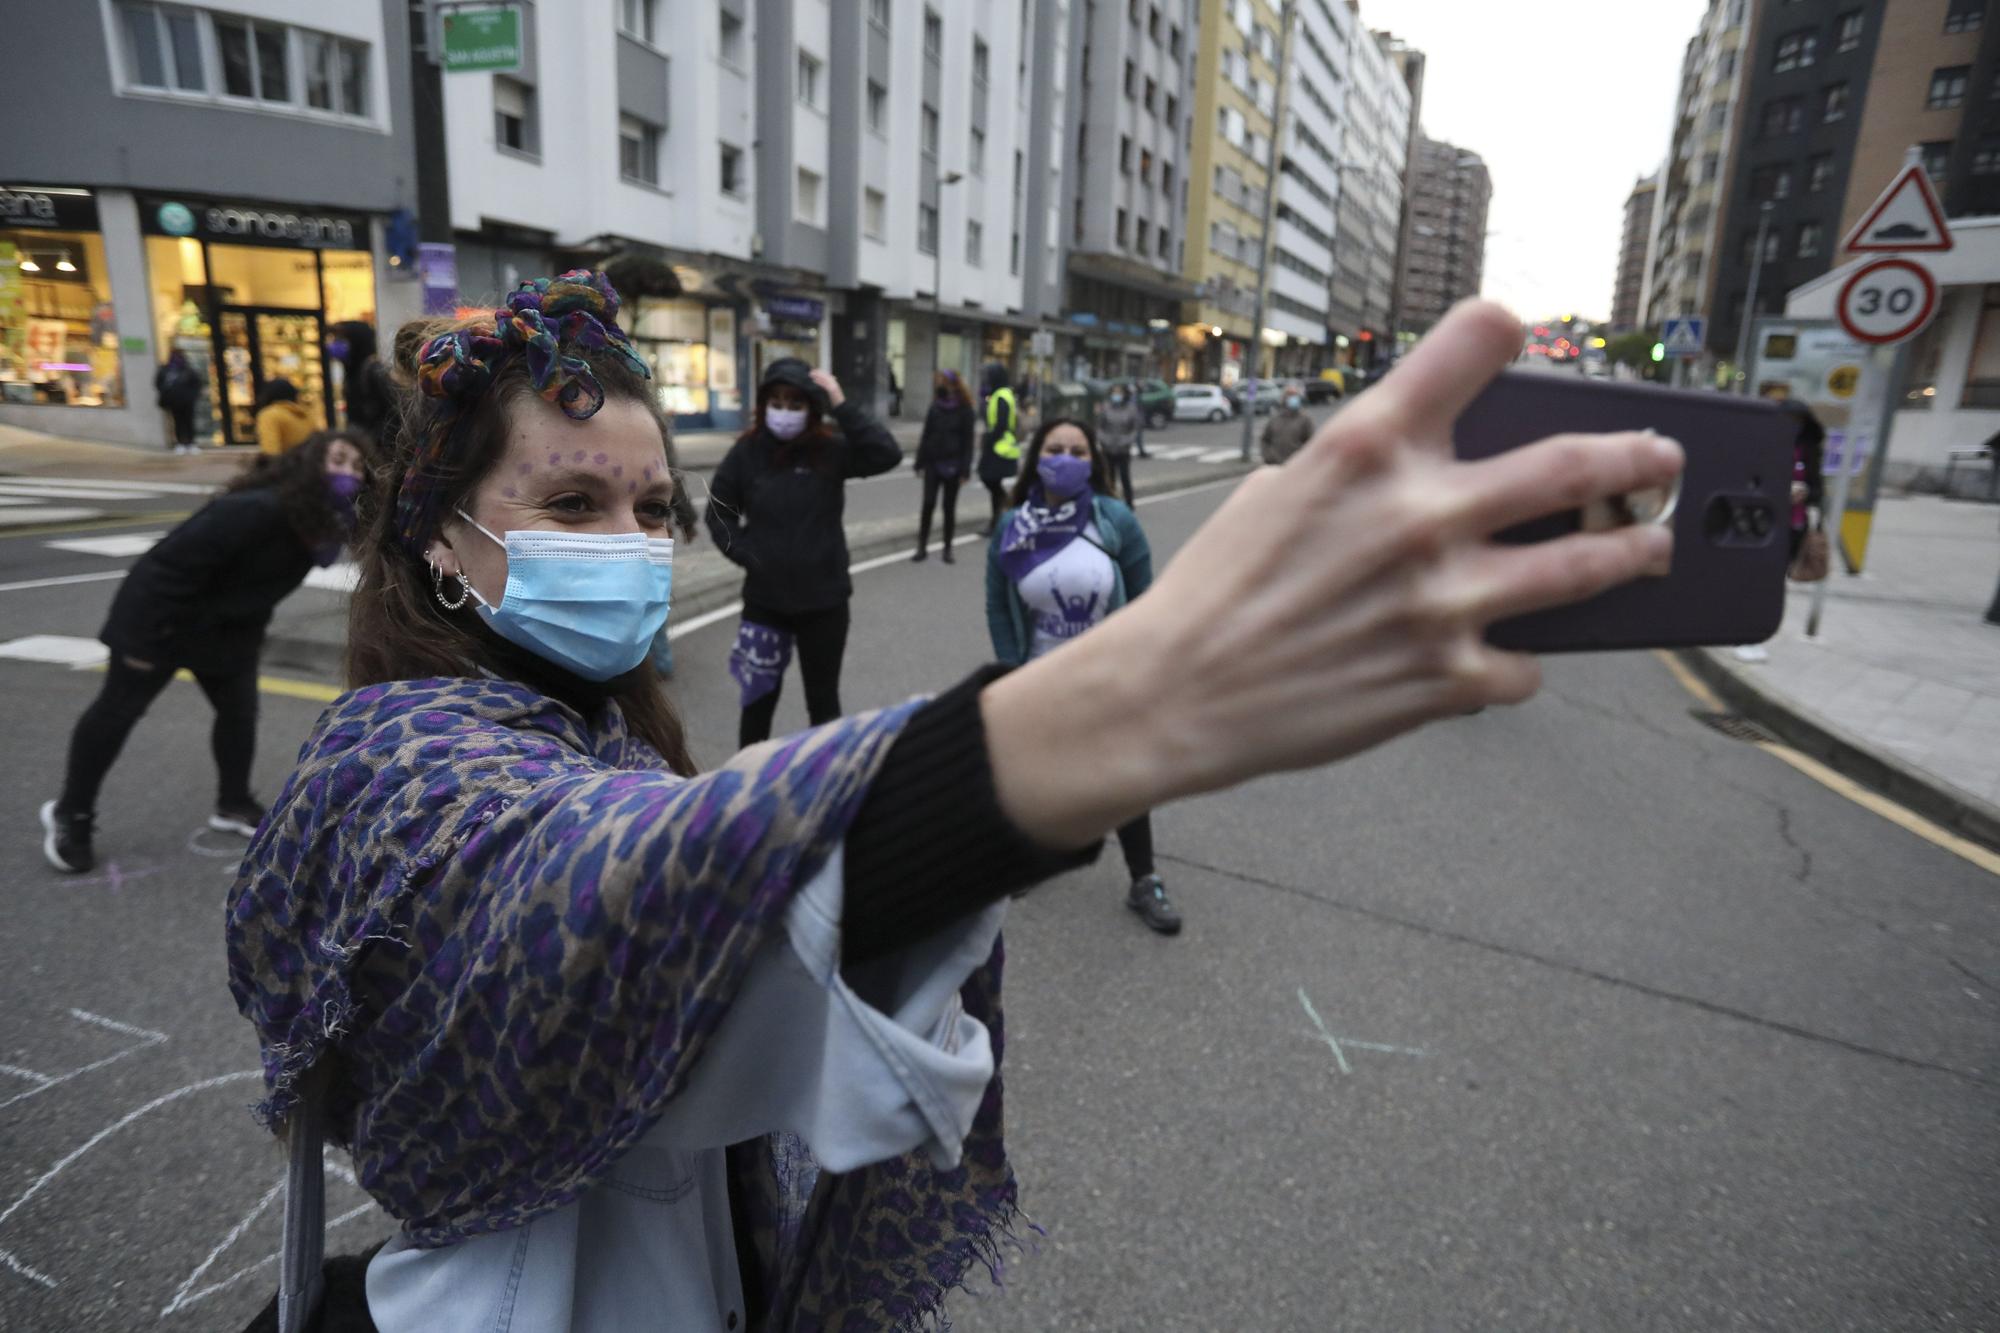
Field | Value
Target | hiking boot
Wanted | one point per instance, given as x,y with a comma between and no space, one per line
66,840
237,817
1148,898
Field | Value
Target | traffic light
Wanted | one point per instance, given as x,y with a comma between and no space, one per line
1659,351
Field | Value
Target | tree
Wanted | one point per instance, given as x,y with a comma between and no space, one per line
1635,349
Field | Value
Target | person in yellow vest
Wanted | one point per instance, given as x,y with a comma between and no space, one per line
282,421
1000,449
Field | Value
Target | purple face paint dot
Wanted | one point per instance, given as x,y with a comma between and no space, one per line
509,492
576,457
647,474
600,459
631,488
555,460
617,471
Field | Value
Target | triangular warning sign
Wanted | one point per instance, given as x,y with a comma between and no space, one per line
1906,217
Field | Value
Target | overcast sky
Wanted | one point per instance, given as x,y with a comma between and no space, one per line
1567,103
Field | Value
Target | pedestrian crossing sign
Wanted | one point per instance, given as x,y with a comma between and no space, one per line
1682,335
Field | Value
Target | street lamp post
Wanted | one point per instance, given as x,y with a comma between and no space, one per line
937,267
1264,237
1750,301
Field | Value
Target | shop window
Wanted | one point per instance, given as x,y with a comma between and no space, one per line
638,150
689,350
58,341
874,213
732,169
516,125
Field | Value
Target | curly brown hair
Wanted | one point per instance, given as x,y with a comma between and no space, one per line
396,629
299,477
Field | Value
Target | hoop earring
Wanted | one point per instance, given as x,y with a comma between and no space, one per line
437,588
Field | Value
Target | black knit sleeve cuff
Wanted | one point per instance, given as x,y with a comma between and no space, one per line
930,845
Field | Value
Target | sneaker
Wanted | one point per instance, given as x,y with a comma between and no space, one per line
67,839
237,817
1751,652
1148,898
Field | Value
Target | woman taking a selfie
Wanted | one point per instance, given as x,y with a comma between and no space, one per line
620,1043
1066,556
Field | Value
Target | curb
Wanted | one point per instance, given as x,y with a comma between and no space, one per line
1799,727
324,658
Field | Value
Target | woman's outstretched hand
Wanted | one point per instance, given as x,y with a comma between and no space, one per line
1327,606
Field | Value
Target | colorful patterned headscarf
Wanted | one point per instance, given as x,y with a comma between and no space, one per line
550,321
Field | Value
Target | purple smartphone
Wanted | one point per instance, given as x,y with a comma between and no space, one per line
1731,519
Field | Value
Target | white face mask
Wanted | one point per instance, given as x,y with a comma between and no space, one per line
787,423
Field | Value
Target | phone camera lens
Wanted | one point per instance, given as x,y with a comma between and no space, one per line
1760,522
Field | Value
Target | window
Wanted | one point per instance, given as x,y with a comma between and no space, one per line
1810,235
805,200
874,213
1784,115
1174,41
928,126
976,153
1153,25
1936,156
1131,79
1750,246
1833,102
1947,88
1146,165
809,67
878,13
1142,237
1711,167
927,236
732,169
1014,256
1118,234
253,59
1819,172
1152,91
878,107
515,124
1173,117
336,73
933,45
162,48
1986,157
1795,51
1965,16
981,61
1982,371
1163,240
635,19
1847,31
1717,114
975,241
1125,154
638,150
731,45
1167,180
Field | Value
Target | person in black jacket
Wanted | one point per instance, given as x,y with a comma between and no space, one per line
775,507
178,386
944,457
369,395
201,600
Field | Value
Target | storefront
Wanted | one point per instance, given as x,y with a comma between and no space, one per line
247,292
788,324
58,338
691,348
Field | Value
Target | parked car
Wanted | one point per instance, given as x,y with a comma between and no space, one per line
1202,402
1327,387
1269,394
1156,398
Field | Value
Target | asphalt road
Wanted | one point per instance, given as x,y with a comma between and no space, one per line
1577,1015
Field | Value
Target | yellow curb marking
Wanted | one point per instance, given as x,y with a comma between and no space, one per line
1840,784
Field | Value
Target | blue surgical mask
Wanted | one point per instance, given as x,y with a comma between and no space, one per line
1063,475
589,602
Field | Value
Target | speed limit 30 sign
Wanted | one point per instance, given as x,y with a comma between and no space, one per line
1888,300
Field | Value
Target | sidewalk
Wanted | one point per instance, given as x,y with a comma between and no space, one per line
1901,688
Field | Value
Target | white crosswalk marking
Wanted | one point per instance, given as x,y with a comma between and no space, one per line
34,515
122,546
62,649
78,492
1222,455
335,578
26,501
142,488
1174,455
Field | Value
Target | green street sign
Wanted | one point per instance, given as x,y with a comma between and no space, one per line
482,41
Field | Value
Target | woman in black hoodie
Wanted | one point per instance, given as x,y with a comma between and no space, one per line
775,507
944,456
368,394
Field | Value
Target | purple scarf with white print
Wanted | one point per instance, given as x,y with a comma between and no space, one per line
1038,531
757,663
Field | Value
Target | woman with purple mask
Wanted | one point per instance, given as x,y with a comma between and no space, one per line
776,508
1062,559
